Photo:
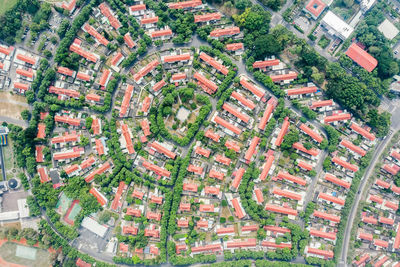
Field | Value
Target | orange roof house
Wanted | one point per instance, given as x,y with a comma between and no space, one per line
276,229
190,187
83,76
279,209
322,103
145,127
184,206
223,160
67,137
314,135
365,236
251,242
227,125
202,151
156,169
149,20
382,260
206,208
129,41
283,131
66,155
83,53
107,13
345,164
327,254
330,198
271,104
229,31
96,127
41,131
242,116
396,243
99,196
103,168
146,104
244,101
100,38
161,149
93,97
105,77
26,59
369,219
176,58
225,230
252,88
195,169
315,8
363,259
79,262
215,64
207,85
239,212
284,77
230,144
234,46
216,174
381,243
44,177
161,33
145,70
117,59
39,153
126,100
301,91
259,195
211,190
286,193
353,147
333,179
238,177
127,137
267,165
274,245
25,73
21,86
312,152
116,202
385,220
5,51
213,136
178,76
382,183
360,130
337,117
326,216
207,17
62,91
252,148
138,7
206,248
185,4
159,85
361,57
322,234
292,178
265,63
304,165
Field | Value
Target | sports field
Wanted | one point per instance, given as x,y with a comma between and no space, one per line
6,5
24,256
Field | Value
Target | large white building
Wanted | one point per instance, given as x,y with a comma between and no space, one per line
336,26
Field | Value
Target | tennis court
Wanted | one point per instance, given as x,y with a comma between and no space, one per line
26,252
63,204
72,212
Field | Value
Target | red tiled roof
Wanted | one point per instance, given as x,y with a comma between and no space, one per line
271,104
304,165
391,205
96,126
128,140
234,46
195,169
365,236
326,216
44,177
116,203
337,117
100,198
301,91
283,131
393,170
153,216
62,91
242,116
252,88
345,164
396,243
145,70
369,219
160,33
93,97
152,233
202,151
21,86
386,220
276,229
325,253
259,195
129,230
376,199
207,85
107,13
268,164
353,147
225,32
365,133
39,153
243,100
158,170
190,187
274,245
145,127
99,147
99,170
207,17
116,59
315,7
183,223
314,135
41,131
292,178
133,212
249,228
149,20
5,51
211,248
395,189
126,100
100,38
223,160
146,104
129,41
279,209
185,4
105,77
67,137
26,73
225,230
83,76
213,136
337,181
284,77
382,184
265,63
381,243
178,76
161,149
227,125
66,155
206,208
83,53
251,242
138,7
176,58
238,177
26,59
313,152
252,148
159,85
286,193
239,212
211,190
382,260
322,103
326,235
216,174
330,198
362,260
71,169
361,57
215,64
230,144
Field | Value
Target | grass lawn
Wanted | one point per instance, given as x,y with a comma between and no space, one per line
324,42
6,5
8,253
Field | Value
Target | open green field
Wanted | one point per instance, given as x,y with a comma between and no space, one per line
6,5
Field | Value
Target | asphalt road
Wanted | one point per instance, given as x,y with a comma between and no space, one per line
369,171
